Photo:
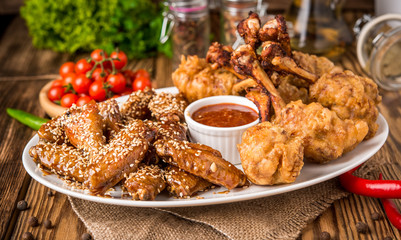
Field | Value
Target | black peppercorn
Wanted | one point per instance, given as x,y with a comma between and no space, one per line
86,236
50,193
47,223
362,227
33,222
375,216
324,236
27,236
22,205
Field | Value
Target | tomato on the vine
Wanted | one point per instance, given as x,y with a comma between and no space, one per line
97,74
116,82
119,64
67,67
140,83
83,100
81,83
68,99
98,55
142,73
83,66
97,91
55,93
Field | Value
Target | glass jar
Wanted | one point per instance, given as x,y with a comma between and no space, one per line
233,11
188,25
379,49
317,27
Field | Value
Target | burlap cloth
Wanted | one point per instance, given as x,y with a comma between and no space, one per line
276,217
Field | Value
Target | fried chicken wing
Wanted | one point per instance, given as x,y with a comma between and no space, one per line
261,99
146,183
136,106
201,163
61,159
269,155
249,28
120,157
110,112
276,30
53,130
183,184
84,128
196,79
275,58
350,96
167,107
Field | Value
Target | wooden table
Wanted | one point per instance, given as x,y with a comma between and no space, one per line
24,70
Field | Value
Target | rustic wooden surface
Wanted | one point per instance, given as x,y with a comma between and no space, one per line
24,70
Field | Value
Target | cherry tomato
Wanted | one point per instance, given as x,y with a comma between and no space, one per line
140,83
97,75
98,55
68,78
117,82
81,83
129,76
57,83
142,73
67,67
83,66
97,91
119,64
55,93
83,100
68,99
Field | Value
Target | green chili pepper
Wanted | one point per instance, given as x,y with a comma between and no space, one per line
28,119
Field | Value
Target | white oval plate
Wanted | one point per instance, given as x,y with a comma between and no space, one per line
310,174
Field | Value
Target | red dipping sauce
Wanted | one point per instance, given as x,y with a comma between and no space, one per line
225,115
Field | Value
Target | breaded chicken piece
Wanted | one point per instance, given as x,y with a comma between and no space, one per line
196,79
350,96
269,155
325,136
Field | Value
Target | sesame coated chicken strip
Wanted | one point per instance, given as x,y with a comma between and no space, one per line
183,184
53,130
118,158
200,162
84,128
146,183
61,159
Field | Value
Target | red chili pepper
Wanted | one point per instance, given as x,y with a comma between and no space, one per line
393,215
370,188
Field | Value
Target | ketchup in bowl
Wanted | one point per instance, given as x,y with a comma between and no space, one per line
225,115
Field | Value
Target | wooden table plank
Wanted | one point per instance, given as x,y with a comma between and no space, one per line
14,137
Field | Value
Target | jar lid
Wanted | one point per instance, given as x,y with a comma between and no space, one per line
193,8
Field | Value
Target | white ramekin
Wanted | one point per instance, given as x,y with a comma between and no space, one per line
223,139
